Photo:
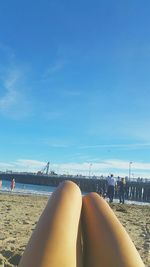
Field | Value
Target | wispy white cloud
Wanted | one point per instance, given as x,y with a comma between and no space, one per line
56,67
13,99
11,94
56,142
4,165
23,165
53,68
30,162
131,146
118,167
13,102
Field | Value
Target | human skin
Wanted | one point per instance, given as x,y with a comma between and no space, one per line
56,241
106,242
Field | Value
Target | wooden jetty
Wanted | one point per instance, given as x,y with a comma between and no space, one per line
137,191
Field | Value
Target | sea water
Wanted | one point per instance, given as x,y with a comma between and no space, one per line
27,189
43,190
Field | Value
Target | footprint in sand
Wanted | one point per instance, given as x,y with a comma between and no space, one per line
15,259
9,258
26,222
146,245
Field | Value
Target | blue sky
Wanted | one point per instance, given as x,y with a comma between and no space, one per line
75,86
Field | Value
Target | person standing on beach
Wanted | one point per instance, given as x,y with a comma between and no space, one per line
121,190
0,183
111,187
12,184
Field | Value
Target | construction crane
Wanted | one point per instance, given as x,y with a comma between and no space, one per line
45,170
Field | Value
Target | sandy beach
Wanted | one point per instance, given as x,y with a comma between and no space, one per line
19,215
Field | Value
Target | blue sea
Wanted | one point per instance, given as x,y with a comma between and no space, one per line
27,189
42,190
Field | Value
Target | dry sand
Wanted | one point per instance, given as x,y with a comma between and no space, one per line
19,214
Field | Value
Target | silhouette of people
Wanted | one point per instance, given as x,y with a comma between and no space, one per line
111,187
121,190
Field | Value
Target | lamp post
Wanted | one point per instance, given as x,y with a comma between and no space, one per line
130,163
90,169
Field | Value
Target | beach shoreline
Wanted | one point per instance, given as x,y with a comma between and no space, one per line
20,213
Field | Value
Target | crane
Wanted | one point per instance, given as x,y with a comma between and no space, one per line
45,170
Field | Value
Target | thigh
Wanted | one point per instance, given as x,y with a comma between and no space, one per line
56,240
106,243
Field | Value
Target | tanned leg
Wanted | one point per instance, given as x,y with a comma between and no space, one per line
56,240
106,242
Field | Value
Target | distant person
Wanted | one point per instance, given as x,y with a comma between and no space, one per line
111,187
0,183
117,185
12,184
121,190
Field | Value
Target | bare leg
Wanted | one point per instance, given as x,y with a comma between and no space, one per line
106,243
56,241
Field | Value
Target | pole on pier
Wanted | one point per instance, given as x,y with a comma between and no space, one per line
130,163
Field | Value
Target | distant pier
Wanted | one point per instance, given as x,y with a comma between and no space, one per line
137,191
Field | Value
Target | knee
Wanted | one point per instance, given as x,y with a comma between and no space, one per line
92,196
70,187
